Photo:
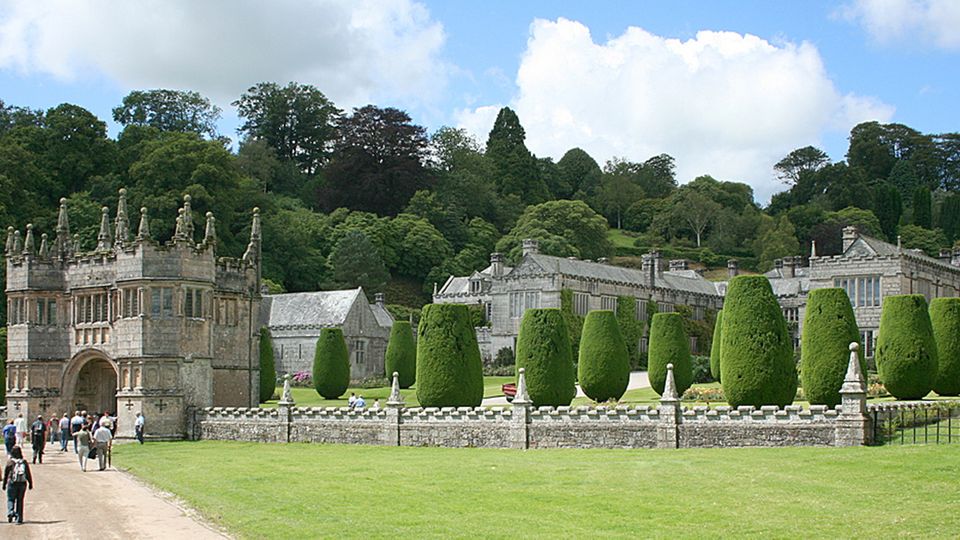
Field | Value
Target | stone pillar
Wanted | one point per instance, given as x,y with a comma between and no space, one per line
854,425
391,436
668,432
285,409
733,268
520,421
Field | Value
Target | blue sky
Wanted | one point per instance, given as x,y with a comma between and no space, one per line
725,87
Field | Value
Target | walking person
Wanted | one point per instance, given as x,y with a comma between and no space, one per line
38,438
64,432
22,429
16,478
138,426
82,439
9,436
75,424
103,439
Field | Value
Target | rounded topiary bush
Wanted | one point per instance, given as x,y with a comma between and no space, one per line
906,350
715,347
268,372
543,349
829,327
756,354
669,344
449,368
604,365
331,364
945,318
401,356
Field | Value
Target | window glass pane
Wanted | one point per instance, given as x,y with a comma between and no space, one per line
167,302
155,302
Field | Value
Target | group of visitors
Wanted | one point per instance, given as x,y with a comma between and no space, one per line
357,402
92,436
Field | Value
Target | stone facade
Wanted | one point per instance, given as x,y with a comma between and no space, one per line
537,281
295,321
522,426
870,270
134,326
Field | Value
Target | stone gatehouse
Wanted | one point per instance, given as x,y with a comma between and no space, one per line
135,325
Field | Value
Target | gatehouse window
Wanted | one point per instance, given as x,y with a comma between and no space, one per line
91,308
130,300
46,311
161,302
193,303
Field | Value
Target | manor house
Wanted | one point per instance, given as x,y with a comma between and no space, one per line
869,270
538,280
295,321
134,325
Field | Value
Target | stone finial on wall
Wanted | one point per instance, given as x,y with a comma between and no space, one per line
143,232
8,250
29,248
44,252
286,397
104,240
396,399
813,249
187,218
252,254
522,397
121,225
210,232
669,387
179,228
17,244
64,247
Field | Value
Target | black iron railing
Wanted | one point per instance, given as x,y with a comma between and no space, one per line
926,422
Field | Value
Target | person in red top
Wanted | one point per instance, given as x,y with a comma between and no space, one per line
16,479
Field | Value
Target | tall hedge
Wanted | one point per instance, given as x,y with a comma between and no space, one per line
945,318
756,354
604,365
268,371
829,327
401,356
715,347
543,349
630,328
669,344
449,368
331,364
906,350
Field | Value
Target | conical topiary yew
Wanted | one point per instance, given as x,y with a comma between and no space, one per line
829,327
268,372
604,364
543,349
715,347
756,353
945,318
331,364
401,356
669,344
449,368
906,350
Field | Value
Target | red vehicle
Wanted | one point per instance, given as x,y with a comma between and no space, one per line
509,391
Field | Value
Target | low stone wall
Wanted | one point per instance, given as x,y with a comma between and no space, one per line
667,426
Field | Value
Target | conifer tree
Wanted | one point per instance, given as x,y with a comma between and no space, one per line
268,372
331,364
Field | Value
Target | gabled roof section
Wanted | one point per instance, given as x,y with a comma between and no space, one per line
866,246
317,309
383,317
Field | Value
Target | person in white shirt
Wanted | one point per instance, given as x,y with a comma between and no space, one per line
103,439
22,429
352,400
138,426
64,432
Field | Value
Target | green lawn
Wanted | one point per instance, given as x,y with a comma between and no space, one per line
619,239
329,491
308,397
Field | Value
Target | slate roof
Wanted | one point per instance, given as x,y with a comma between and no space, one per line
383,316
881,248
461,284
318,309
683,280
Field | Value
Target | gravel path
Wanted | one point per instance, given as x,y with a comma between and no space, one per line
68,503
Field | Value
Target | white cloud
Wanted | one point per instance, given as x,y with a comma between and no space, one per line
723,104
934,22
354,51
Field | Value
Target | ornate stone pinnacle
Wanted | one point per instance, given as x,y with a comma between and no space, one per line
853,382
669,387
178,231
813,248
255,226
121,225
144,232
44,247
210,234
64,246
286,398
396,399
17,246
8,250
104,242
187,218
28,244
522,397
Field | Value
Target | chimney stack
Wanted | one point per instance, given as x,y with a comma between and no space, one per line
946,256
530,247
678,264
955,260
651,268
380,299
733,268
496,264
790,267
849,237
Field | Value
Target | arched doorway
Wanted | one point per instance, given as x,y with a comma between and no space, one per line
91,384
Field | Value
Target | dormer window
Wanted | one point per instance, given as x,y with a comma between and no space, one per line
475,286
